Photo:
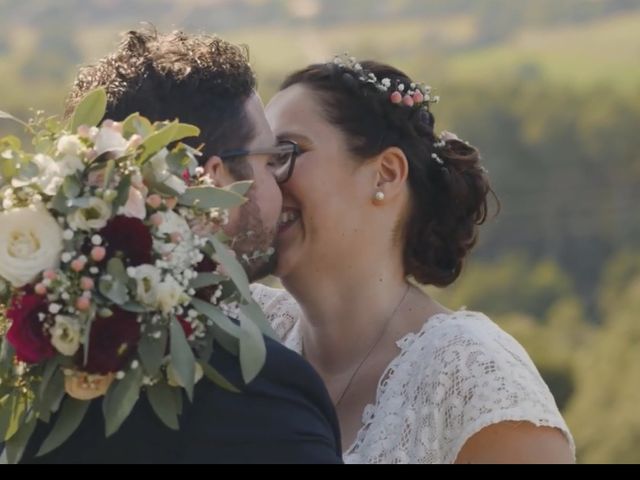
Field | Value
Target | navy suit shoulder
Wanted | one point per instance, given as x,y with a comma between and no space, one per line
284,416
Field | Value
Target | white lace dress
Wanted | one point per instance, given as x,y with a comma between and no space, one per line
459,374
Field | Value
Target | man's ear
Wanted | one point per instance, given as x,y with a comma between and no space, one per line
216,170
392,172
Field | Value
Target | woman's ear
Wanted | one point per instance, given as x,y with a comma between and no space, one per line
216,170
392,172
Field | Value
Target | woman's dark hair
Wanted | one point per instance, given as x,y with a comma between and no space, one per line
449,199
198,79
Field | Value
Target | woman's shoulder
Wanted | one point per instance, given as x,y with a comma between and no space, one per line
279,306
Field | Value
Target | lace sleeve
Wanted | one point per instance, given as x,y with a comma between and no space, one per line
281,309
486,377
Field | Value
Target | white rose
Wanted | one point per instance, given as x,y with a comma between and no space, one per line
135,206
70,164
93,217
70,145
65,335
170,294
30,242
109,140
50,177
147,280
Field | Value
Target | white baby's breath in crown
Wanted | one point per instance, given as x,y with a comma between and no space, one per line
410,95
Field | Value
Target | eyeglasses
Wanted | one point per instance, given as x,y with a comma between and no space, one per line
282,162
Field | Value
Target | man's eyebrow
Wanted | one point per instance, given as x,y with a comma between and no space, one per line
293,136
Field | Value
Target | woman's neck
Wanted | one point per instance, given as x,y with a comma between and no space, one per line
346,311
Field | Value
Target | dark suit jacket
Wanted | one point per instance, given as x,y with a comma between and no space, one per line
284,416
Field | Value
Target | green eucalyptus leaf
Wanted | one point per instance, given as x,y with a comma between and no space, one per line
254,313
207,198
16,446
152,352
72,186
233,268
204,280
71,415
163,401
18,408
7,352
253,351
90,111
120,400
182,359
240,188
6,412
116,269
216,377
157,141
123,193
52,395
225,331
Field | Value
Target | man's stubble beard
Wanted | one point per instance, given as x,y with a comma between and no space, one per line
251,236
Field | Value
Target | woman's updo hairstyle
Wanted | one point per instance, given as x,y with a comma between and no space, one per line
377,107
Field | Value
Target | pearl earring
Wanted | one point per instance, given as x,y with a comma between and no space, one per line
379,197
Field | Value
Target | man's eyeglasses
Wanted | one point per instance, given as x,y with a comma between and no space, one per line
282,162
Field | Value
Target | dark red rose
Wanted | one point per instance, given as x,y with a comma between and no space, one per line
206,266
186,326
112,343
129,236
28,334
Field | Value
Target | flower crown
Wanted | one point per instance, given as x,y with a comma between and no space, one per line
407,95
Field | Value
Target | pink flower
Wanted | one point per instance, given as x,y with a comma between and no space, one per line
135,206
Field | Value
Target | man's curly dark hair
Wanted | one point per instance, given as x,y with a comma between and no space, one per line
198,79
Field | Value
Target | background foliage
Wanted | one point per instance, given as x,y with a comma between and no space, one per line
550,92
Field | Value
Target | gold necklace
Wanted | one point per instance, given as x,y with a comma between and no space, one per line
371,349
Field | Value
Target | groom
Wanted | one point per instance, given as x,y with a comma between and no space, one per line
285,415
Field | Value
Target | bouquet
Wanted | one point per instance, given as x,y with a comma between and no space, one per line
114,278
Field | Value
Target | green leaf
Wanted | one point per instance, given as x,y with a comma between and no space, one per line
90,111
115,290
240,188
123,193
213,313
6,412
7,353
162,400
134,308
18,408
109,173
217,378
8,116
60,202
11,142
129,125
253,312
204,280
157,141
152,352
18,443
71,415
182,358
52,395
116,269
206,198
233,268
72,186
253,352
121,399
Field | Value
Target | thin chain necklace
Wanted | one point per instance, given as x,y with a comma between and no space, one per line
371,349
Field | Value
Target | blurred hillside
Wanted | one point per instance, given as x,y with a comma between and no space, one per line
549,90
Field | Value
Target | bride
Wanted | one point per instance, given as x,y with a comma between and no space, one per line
373,200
